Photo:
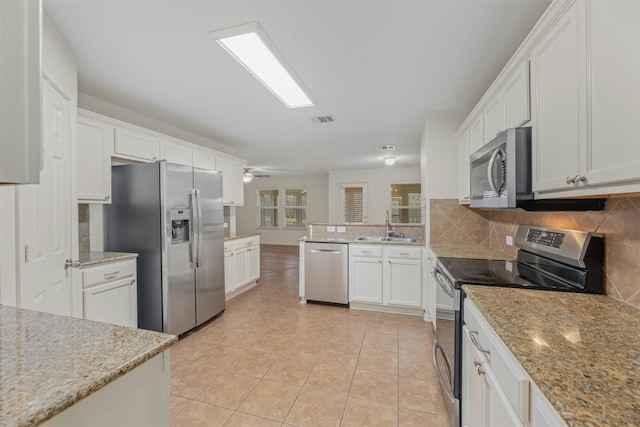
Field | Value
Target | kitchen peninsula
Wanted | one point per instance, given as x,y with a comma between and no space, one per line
60,370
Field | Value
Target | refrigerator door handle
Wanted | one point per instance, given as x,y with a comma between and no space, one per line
199,201
194,231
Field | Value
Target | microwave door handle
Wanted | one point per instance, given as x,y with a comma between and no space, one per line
492,161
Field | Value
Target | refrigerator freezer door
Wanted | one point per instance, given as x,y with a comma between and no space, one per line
180,290
210,268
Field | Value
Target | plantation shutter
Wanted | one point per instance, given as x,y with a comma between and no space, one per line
353,204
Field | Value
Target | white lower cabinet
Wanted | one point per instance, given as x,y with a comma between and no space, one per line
496,391
241,264
385,276
110,293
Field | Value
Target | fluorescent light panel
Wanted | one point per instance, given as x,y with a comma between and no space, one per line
252,48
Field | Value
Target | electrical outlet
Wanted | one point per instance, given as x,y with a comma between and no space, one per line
331,229
341,229
509,240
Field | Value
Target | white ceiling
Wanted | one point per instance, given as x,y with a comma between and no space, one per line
377,67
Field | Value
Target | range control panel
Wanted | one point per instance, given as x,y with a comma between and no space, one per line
544,237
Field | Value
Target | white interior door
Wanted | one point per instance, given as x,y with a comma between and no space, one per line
44,217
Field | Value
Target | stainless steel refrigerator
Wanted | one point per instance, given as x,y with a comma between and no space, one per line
172,216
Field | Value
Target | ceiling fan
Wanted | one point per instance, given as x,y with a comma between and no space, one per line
248,175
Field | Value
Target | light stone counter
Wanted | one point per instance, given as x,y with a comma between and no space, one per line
582,351
95,258
235,236
51,362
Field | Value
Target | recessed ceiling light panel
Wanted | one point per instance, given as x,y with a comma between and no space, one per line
250,45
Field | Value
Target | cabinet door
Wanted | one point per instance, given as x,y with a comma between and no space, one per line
517,103
494,117
174,152
365,279
94,145
112,302
253,263
404,286
558,71
614,154
464,185
204,159
473,386
229,272
136,145
233,185
242,276
476,134
499,409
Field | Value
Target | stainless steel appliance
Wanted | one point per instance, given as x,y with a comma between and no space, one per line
501,177
550,259
326,272
501,170
172,216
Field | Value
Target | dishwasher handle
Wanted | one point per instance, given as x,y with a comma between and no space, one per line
326,251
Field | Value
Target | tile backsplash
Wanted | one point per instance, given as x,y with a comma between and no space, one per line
83,228
619,223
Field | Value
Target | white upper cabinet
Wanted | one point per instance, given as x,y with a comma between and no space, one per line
174,152
494,118
204,159
94,147
20,92
559,115
464,189
517,98
232,183
136,145
614,155
587,96
476,135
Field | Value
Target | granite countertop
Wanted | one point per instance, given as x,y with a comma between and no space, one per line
235,236
461,251
362,242
582,351
50,362
95,258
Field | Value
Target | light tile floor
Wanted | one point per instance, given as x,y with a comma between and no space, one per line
271,361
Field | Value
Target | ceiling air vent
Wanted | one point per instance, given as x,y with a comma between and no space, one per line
322,119
387,147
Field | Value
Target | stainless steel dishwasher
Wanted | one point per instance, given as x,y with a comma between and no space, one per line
326,272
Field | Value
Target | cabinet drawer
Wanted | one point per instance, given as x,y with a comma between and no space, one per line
404,252
249,241
365,250
510,376
109,272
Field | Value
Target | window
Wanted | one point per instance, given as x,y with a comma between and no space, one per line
353,203
406,204
295,204
268,208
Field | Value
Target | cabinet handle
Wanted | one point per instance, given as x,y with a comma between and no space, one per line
108,276
474,339
580,178
404,254
107,197
570,180
153,158
480,370
380,261
133,281
476,363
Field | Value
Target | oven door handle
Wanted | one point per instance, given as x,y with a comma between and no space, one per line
492,161
443,282
447,387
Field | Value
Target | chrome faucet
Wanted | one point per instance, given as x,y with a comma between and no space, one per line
389,231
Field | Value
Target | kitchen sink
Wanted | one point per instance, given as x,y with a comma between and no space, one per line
386,239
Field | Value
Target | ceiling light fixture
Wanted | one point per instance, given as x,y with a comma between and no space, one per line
389,161
250,45
247,176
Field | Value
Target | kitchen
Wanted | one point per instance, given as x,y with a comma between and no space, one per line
446,221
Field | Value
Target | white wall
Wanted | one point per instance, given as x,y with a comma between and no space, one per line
317,212
378,189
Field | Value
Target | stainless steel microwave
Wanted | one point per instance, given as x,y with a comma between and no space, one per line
501,171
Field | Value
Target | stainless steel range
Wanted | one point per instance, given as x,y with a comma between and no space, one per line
550,259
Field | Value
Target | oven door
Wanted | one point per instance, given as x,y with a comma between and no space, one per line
444,348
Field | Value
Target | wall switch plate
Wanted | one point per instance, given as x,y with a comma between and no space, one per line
341,229
509,240
226,225
331,229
